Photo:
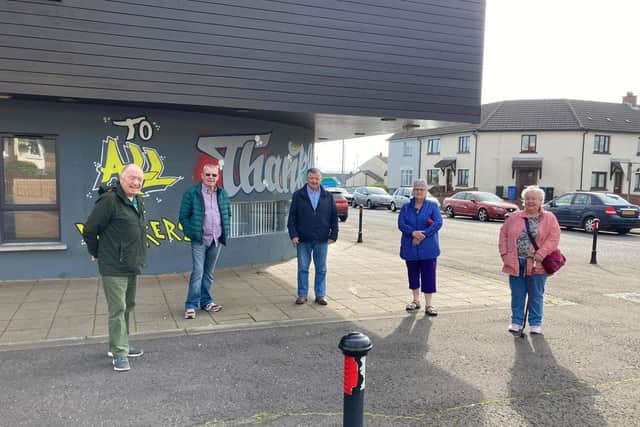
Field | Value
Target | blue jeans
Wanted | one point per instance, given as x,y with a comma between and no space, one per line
519,286
319,251
204,262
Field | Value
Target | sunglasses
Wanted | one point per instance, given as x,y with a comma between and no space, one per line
211,174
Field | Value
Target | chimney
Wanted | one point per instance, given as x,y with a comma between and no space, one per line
630,99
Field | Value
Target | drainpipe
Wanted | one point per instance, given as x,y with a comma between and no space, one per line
584,134
475,158
419,156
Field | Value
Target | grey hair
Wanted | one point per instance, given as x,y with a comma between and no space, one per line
210,166
419,183
533,189
313,170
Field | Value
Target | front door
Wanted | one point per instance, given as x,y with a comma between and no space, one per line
525,177
617,182
449,180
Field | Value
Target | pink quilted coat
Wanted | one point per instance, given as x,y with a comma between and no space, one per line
548,239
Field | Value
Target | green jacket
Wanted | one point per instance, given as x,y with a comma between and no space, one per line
115,233
192,213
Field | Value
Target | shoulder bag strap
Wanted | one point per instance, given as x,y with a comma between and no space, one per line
533,242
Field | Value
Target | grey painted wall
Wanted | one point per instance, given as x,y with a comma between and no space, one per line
407,59
83,132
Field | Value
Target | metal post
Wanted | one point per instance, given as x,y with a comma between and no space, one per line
596,226
360,226
355,347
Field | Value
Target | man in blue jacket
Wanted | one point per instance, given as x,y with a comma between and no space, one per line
313,224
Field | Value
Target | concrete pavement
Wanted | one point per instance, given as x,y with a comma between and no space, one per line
362,283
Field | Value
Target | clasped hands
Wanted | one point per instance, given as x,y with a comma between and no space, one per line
417,237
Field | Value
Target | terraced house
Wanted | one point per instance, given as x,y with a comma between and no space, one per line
89,85
559,144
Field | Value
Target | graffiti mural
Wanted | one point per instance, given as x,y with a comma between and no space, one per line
158,231
114,156
246,166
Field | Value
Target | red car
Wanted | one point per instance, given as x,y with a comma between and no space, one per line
342,204
478,204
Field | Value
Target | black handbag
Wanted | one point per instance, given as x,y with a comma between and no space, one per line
552,262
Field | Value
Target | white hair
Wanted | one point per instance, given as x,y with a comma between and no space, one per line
533,189
419,183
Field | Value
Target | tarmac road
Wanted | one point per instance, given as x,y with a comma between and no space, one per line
461,368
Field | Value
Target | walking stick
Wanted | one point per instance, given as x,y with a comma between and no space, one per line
526,310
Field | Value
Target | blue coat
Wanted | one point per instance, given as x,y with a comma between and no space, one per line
309,225
409,221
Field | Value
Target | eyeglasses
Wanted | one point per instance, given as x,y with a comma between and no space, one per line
211,174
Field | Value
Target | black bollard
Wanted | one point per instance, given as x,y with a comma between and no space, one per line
355,347
360,226
596,226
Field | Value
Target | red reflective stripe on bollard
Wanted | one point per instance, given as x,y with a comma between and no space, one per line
350,374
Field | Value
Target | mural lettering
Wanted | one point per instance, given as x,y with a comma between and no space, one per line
114,156
249,170
158,231
145,130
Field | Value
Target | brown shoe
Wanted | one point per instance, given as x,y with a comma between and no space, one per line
321,301
301,300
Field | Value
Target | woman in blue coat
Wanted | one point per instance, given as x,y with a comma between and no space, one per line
419,222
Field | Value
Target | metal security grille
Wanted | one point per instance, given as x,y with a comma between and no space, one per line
258,217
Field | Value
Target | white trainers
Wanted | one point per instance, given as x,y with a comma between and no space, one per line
535,329
514,327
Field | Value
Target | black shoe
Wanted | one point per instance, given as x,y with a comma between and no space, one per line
321,301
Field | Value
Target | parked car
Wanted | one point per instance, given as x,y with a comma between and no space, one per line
580,209
478,204
339,190
342,205
402,195
371,197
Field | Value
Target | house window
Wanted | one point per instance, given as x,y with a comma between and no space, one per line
601,144
598,180
433,176
433,146
528,144
463,144
638,148
637,185
406,177
407,149
29,209
463,177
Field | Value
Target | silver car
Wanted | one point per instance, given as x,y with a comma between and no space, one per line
402,196
371,197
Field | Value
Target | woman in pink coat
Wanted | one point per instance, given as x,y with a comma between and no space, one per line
522,263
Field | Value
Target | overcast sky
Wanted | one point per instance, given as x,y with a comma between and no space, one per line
537,49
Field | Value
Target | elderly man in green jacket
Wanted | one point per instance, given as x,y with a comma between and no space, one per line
205,215
116,238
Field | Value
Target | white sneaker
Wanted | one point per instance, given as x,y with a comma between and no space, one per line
514,327
535,330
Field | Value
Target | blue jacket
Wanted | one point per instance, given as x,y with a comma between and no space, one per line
192,213
309,225
409,221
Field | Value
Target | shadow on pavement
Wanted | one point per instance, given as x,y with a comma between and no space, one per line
545,393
